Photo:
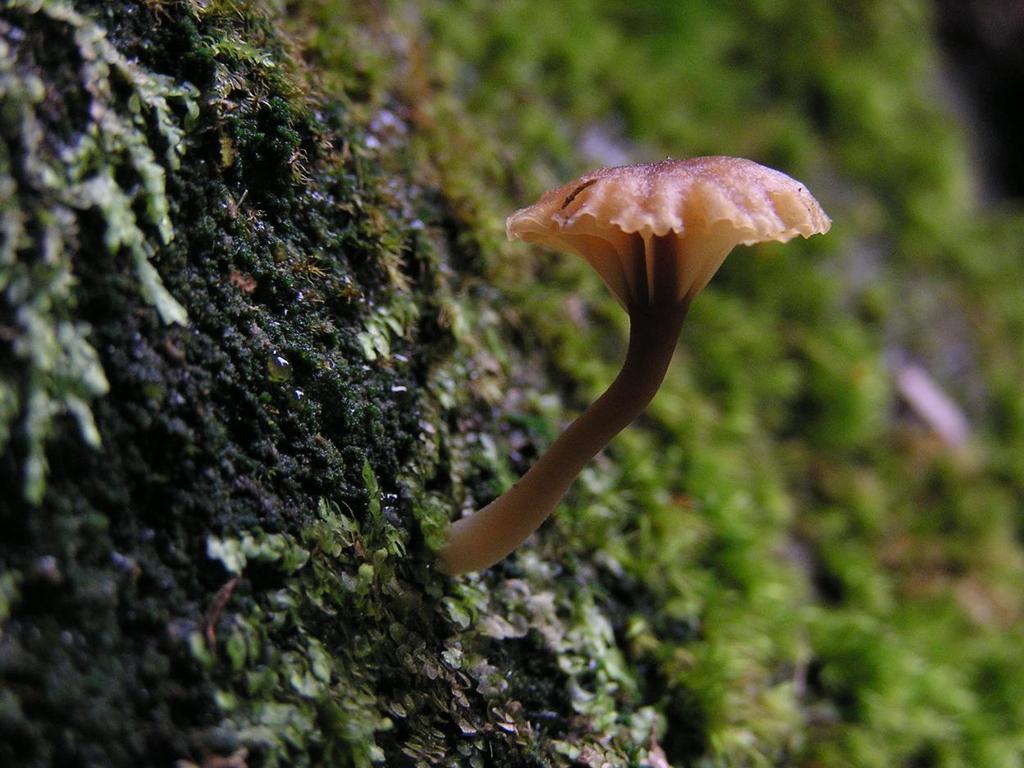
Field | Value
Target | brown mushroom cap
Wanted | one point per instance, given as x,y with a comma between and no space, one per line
657,232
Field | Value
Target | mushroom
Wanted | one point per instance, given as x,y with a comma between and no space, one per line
656,234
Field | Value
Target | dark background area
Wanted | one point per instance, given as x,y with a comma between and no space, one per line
984,43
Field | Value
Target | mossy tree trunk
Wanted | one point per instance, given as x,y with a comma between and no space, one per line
261,340
221,343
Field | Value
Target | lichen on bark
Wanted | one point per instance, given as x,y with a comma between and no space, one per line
75,146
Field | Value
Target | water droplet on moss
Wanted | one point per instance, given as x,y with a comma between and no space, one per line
278,368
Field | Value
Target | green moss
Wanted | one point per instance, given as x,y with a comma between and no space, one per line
774,474
771,568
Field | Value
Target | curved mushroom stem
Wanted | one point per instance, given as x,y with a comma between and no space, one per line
491,533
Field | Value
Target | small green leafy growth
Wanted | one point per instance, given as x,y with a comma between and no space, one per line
112,164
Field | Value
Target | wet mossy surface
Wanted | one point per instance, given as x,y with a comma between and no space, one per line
260,339
239,421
